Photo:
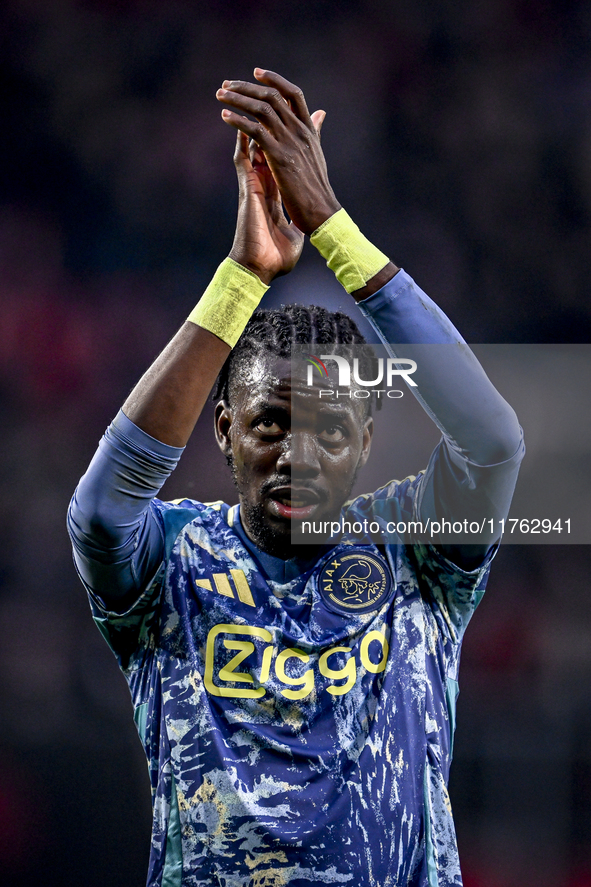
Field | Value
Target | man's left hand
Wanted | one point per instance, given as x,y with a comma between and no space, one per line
290,139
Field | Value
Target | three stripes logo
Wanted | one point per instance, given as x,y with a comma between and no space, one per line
224,587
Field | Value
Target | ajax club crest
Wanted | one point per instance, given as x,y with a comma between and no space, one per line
354,581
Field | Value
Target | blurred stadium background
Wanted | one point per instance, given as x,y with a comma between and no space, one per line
458,135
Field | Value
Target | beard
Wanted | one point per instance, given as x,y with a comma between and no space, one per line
276,541
269,539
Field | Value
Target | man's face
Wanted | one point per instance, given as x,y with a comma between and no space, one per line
294,455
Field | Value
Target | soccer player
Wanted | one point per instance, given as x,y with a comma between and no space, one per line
296,705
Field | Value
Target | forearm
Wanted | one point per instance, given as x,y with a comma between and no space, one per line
472,474
376,282
169,398
451,384
117,539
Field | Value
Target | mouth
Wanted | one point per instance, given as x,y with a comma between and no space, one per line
294,503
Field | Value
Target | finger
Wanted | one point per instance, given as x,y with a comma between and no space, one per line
289,91
296,230
251,128
261,110
241,152
257,157
317,119
268,94
242,162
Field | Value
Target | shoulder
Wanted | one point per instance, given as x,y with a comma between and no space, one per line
178,514
398,495
451,592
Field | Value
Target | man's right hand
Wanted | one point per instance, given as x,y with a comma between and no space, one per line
264,242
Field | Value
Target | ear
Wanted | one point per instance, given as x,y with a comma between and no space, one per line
222,423
366,444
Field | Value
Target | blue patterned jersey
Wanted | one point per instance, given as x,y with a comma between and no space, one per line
301,733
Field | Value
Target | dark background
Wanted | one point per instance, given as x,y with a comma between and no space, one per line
458,136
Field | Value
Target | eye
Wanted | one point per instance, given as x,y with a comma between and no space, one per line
332,434
267,426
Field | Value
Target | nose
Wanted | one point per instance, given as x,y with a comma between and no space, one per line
299,456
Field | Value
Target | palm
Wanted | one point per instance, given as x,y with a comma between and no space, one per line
277,242
264,241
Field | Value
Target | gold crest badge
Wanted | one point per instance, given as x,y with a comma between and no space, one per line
355,581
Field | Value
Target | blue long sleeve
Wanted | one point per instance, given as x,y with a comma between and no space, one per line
117,539
473,471
452,386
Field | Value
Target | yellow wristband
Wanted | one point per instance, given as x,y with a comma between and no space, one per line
227,304
348,253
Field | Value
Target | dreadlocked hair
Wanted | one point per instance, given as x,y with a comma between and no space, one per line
276,331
